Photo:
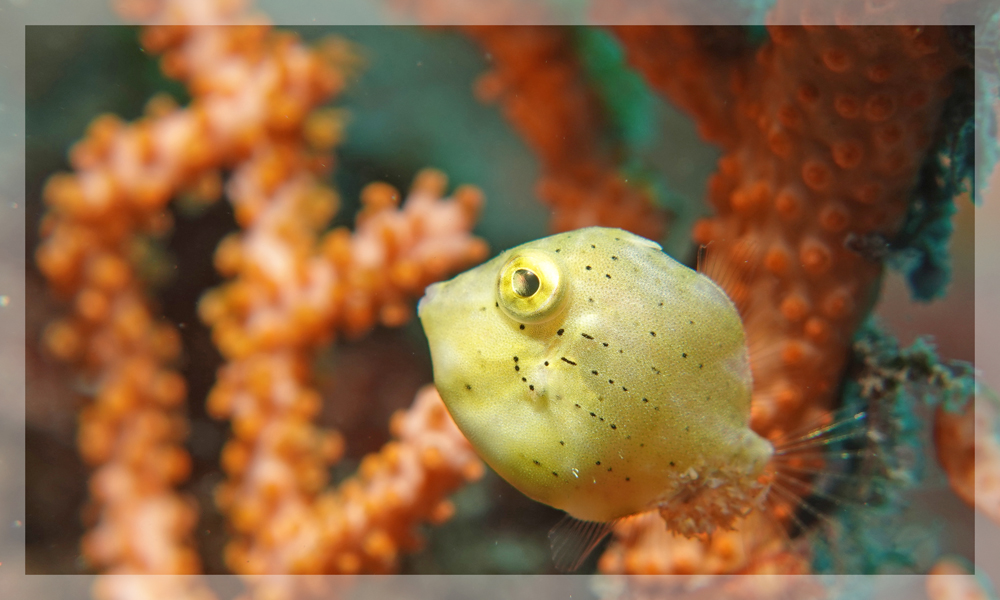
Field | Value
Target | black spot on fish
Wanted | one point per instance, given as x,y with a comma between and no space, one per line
593,415
560,332
517,368
613,426
700,365
537,463
531,387
661,304
655,370
627,479
671,463
576,405
652,333
587,336
497,304
588,267
598,463
609,469
684,354
515,359
611,381
601,419
624,389
468,387
556,474
522,326
614,258
691,322
590,299
523,379
568,360
546,363
645,399
593,246
558,249
562,443
594,372
608,275
605,344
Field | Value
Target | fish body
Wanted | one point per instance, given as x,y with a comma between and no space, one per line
600,376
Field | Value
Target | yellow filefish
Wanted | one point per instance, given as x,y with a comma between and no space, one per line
600,376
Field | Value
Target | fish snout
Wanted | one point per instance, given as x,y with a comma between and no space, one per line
429,293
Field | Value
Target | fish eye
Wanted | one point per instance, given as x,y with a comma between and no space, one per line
531,287
525,283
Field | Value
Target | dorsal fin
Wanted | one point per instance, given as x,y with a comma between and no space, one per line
572,540
732,270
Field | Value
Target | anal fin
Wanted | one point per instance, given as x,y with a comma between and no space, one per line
572,540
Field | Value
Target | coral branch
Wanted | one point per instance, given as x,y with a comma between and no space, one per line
538,81
824,136
968,448
291,290
698,68
254,94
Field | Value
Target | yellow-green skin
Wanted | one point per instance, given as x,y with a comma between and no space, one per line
635,381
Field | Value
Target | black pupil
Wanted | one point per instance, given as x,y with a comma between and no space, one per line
525,283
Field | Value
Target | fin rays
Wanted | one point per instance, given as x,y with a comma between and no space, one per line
572,541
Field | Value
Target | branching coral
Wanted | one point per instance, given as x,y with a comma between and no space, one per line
824,130
292,288
538,81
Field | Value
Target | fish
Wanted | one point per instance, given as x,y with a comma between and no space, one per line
598,375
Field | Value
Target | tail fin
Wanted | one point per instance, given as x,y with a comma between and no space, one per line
816,475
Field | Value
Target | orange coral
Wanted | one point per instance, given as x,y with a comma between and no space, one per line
254,93
538,81
969,451
950,579
823,131
291,289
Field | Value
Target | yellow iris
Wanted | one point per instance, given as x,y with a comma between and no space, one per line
531,288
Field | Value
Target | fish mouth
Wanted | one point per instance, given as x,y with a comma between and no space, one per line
429,293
